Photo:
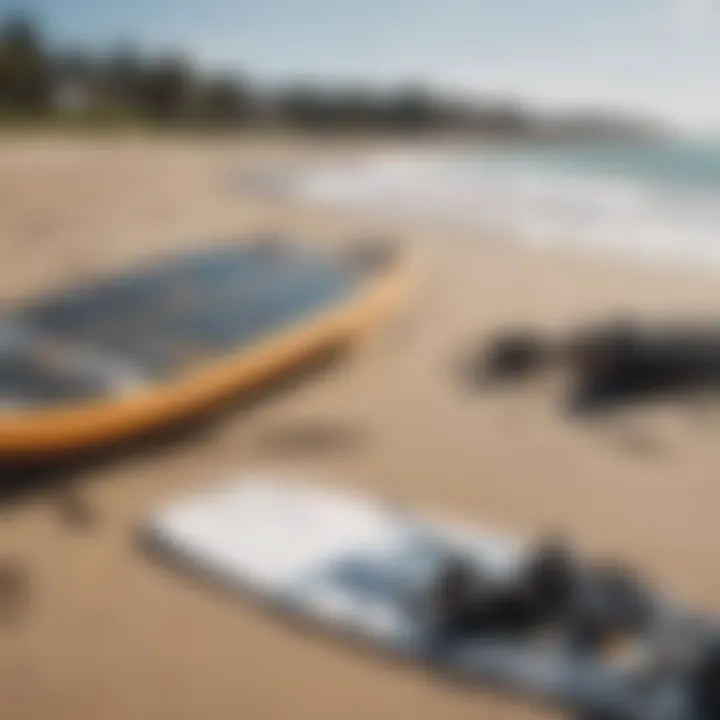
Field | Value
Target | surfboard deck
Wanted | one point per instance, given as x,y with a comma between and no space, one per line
126,353
356,566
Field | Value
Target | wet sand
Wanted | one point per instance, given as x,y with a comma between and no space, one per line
104,633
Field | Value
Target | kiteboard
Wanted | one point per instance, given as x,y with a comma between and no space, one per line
370,571
126,354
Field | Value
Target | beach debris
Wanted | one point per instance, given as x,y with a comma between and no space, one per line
511,355
609,363
630,360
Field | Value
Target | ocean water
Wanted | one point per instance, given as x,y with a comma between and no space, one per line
656,201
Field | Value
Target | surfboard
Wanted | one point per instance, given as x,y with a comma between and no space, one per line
358,567
126,354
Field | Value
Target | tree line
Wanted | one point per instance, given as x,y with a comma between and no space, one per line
124,85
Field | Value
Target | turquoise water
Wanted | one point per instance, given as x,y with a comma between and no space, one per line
671,164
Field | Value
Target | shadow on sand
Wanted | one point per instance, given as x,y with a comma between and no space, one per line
314,436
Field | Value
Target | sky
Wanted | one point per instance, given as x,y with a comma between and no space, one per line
654,57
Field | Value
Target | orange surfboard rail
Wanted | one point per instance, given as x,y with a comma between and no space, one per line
87,424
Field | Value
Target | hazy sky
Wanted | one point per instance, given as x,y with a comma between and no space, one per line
657,56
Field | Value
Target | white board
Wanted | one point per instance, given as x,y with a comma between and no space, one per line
357,566
341,557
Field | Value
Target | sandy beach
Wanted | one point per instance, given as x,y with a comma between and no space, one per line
105,634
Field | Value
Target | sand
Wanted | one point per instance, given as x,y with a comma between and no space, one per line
102,633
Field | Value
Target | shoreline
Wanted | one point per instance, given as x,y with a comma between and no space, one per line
642,206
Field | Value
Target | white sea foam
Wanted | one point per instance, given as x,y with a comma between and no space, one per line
538,202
